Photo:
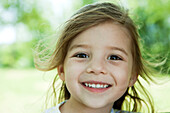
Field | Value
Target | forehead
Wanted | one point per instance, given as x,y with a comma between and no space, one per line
108,33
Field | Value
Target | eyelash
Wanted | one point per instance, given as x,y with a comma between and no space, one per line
114,57
84,55
81,55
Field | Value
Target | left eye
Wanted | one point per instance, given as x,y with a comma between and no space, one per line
81,55
114,57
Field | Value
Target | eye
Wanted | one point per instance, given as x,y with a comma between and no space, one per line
81,55
114,57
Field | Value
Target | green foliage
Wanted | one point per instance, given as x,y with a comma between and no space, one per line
19,53
154,21
85,2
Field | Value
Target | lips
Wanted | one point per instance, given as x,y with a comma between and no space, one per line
95,86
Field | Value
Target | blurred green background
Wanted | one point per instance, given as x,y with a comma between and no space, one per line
24,22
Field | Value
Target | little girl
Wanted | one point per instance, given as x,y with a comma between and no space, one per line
99,61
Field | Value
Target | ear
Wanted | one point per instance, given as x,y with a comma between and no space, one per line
133,80
61,74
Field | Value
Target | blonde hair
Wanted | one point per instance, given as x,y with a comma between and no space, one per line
92,15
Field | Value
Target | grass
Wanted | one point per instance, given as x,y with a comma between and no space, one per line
23,91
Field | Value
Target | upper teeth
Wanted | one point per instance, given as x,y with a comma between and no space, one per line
96,85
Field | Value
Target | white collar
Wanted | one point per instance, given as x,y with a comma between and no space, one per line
56,108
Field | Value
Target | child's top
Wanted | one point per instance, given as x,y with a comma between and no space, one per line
56,109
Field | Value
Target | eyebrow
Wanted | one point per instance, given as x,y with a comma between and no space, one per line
109,47
79,46
119,49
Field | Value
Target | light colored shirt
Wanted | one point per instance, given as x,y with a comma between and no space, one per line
56,109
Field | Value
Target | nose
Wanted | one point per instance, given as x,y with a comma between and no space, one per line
96,67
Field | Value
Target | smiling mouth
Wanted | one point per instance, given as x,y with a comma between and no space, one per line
96,87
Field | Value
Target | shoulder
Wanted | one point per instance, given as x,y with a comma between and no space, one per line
54,109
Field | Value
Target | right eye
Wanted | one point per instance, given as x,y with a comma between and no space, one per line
114,57
81,55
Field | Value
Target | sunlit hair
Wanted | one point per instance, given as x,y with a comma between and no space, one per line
136,98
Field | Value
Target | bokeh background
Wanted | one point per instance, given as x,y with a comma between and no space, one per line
24,22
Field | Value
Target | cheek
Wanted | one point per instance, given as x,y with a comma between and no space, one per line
123,81
122,75
73,70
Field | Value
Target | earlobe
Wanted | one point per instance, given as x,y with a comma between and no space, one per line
60,70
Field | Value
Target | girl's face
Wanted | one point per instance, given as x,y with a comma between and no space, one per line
98,66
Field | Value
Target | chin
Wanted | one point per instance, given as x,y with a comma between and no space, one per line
97,104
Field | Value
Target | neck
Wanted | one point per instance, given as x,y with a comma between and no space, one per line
72,106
